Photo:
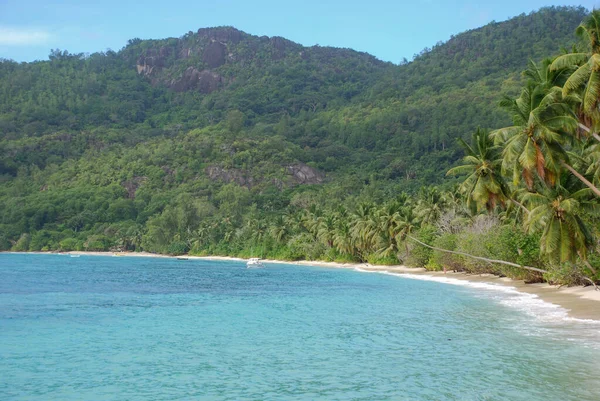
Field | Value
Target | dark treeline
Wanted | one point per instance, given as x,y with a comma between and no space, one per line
220,142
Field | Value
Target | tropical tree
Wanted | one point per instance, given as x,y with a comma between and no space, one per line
280,229
364,229
585,79
534,144
556,212
342,238
431,205
408,222
484,187
326,228
389,226
544,75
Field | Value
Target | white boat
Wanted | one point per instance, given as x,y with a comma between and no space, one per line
74,255
254,263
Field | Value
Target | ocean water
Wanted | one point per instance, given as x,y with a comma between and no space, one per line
128,328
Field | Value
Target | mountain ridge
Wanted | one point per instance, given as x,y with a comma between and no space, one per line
106,129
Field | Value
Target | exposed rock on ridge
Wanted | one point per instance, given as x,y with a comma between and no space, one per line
299,174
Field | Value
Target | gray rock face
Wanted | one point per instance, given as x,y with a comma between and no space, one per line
299,174
222,34
280,45
229,175
132,185
152,60
204,81
214,54
304,174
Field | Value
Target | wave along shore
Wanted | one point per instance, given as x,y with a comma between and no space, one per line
578,302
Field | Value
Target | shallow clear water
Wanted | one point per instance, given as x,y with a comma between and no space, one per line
101,328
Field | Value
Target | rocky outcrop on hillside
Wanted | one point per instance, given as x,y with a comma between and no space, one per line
304,174
298,174
195,61
204,81
217,173
132,185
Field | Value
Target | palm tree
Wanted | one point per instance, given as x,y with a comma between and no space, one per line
342,238
258,229
484,187
546,76
592,157
534,144
279,229
431,205
310,220
585,79
364,229
389,227
408,222
326,228
555,211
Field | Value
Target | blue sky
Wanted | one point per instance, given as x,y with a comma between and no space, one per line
387,29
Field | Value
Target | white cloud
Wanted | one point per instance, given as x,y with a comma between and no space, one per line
11,36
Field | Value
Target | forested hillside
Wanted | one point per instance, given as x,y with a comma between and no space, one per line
202,143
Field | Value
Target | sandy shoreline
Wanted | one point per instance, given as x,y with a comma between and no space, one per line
580,302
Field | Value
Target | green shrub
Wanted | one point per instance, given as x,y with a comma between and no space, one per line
419,255
177,248
69,244
97,243
565,274
476,244
305,247
375,259
439,260
43,240
22,244
5,244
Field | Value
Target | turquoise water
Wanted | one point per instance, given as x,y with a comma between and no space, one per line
102,328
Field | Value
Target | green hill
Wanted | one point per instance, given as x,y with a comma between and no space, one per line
222,127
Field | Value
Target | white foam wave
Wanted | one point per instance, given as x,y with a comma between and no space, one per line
530,304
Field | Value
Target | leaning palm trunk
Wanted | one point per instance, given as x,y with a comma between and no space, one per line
520,205
534,269
589,131
581,178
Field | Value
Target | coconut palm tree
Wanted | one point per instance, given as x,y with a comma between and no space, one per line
591,155
389,227
408,222
534,144
585,78
342,238
556,211
546,76
364,229
279,229
310,220
431,205
484,187
326,228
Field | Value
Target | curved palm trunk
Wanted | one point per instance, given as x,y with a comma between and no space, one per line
589,131
534,269
581,178
589,266
520,205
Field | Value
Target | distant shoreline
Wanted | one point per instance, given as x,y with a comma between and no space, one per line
580,302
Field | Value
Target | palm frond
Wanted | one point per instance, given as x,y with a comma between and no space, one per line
577,79
568,60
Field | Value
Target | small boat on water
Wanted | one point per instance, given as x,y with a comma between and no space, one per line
74,256
254,263
182,258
